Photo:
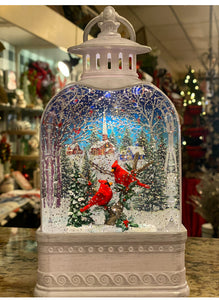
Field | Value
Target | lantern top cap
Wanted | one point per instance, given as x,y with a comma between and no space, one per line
109,21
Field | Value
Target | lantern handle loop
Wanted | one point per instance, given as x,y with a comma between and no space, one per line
90,25
129,26
109,14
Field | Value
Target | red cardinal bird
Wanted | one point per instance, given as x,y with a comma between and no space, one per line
123,177
102,196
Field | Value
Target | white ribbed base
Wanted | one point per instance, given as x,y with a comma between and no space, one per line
111,265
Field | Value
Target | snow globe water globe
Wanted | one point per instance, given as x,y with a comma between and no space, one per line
110,179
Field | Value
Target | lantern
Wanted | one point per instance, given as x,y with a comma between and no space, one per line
110,179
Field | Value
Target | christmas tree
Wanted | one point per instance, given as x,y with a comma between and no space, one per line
193,129
94,137
155,176
88,174
191,92
126,140
142,139
112,138
66,170
79,198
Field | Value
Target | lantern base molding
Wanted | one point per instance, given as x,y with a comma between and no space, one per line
111,265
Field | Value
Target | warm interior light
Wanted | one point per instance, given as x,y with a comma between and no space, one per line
66,66
64,69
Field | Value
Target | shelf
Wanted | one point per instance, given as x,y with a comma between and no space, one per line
24,157
21,132
15,109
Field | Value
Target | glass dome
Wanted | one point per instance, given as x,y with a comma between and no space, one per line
110,145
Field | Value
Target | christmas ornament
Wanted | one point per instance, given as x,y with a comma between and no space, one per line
110,120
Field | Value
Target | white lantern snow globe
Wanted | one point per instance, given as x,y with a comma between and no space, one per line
110,179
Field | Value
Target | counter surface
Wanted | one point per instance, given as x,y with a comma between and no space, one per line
18,264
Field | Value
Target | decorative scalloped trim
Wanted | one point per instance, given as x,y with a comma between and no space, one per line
111,279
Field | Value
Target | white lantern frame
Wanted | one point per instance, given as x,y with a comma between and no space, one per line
93,263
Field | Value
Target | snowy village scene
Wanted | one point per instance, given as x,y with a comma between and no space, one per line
110,161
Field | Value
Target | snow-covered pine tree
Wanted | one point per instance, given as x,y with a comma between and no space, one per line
126,140
154,176
94,137
160,176
112,138
79,198
142,139
66,171
88,174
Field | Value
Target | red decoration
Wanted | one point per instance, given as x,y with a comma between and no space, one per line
194,109
126,223
5,150
125,178
42,77
102,196
195,151
77,131
196,131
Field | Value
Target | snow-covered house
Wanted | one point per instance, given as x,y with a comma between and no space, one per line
102,148
131,151
74,149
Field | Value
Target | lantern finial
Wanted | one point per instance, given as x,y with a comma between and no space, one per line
109,25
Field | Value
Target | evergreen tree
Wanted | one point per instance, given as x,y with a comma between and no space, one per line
154,175
112,138
160,176
126,140
88,174
161,151
94,137
79,198
191,91
141,139
66,171
193,131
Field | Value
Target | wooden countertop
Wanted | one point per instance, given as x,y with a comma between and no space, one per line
18,264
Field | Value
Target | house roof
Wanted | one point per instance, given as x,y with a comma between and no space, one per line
135,149
100,144
73,146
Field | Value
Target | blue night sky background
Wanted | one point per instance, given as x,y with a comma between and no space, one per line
116,124
119,114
